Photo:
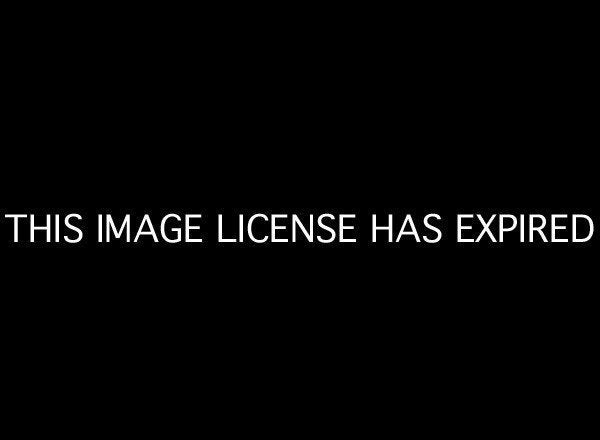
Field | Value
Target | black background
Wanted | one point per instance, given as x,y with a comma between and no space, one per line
386,112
